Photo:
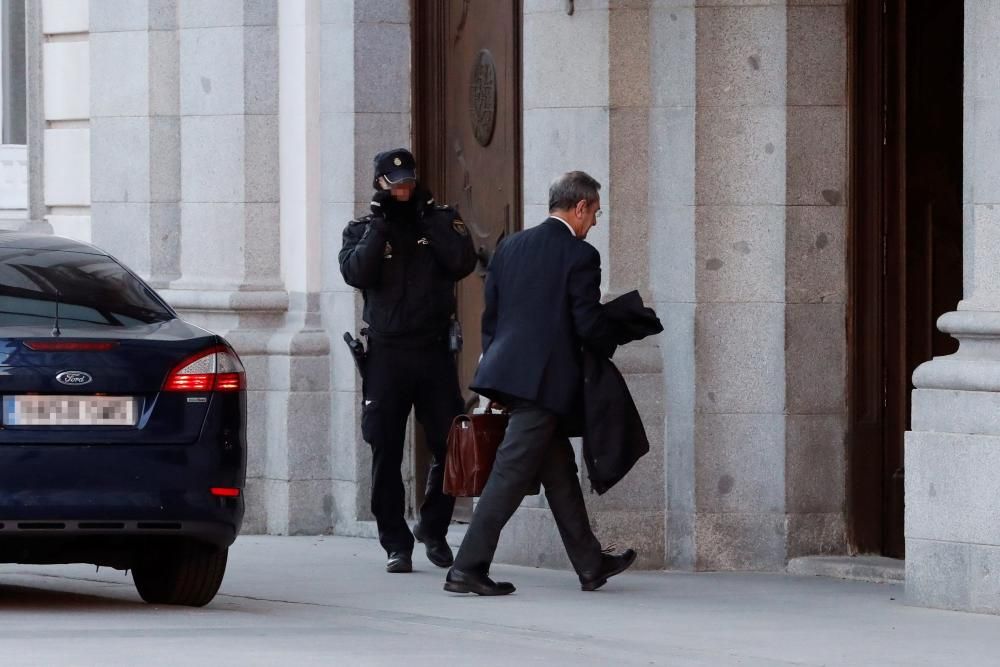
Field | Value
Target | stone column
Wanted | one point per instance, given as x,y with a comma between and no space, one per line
747,171
633,512
739,287
229,146
135,140
340,302
953,450
235,276
299,412
34,40
815,256
364,108
65,105
672,259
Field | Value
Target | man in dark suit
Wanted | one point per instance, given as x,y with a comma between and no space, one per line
542,307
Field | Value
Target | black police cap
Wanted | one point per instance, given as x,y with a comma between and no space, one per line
396,166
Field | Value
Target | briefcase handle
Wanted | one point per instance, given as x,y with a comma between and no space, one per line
470,405
502,409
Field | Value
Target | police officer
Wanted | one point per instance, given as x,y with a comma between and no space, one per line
406,256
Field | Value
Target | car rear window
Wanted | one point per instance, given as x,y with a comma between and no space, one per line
90,289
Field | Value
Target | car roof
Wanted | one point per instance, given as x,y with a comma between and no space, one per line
28,241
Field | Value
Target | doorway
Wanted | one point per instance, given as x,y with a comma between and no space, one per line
906,239
467,138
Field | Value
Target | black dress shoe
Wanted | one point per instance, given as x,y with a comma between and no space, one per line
438,551
399,561
610,566
467,582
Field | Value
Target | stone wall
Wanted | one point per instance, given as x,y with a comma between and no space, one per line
726,166
63,74
753,155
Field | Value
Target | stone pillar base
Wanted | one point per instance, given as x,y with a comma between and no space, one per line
952,459
286,353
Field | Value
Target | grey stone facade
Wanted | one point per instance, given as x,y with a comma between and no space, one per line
35,121
726,162
231,140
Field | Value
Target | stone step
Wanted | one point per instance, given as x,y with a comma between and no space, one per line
876,569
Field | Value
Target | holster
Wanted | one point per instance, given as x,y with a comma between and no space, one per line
357,349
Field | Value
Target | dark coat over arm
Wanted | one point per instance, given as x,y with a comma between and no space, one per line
614,438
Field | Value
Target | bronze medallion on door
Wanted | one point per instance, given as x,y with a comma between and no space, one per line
483,97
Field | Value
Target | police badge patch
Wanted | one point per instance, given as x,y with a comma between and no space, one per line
459,226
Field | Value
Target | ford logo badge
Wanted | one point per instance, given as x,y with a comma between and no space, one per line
74,378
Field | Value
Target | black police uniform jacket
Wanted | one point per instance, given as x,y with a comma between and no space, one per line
407,269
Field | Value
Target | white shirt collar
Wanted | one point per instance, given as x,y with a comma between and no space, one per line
556,217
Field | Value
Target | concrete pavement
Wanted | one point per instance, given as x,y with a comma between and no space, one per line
326,601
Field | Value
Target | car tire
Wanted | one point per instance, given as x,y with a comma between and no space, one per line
189,574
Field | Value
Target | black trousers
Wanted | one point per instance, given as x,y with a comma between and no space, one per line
531,452
397,379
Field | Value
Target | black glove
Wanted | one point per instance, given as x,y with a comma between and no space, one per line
424,202
423,197
381,201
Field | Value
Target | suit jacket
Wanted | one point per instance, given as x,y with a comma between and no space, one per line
542,308
614,438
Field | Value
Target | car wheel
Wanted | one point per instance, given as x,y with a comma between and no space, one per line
189,574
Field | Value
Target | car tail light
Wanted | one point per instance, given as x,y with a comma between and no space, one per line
215,369
225,491
69,346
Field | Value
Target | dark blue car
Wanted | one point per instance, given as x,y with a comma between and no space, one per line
122,427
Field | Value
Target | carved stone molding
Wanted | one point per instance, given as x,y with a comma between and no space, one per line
226,300
976,365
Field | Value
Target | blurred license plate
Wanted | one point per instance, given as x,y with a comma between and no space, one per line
69,411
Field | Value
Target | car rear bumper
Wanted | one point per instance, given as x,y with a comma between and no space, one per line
112,528
67,501
68,491
19,532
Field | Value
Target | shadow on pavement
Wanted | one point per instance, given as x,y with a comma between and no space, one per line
26,598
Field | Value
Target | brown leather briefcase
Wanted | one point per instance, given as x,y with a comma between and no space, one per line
472,446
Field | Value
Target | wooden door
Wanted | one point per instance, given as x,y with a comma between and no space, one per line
906,239
467,130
